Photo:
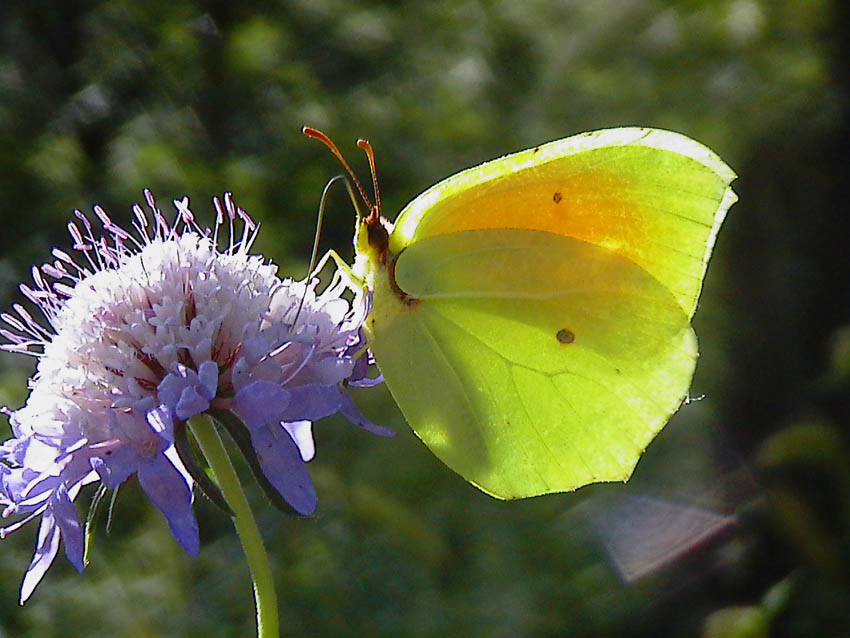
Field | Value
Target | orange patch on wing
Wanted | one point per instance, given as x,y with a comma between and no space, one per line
593,207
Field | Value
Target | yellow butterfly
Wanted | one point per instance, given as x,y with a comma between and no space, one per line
531,315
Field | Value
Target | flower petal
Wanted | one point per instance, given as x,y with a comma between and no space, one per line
45,552
350,411
330,370
281,463
116,465
190,404
69,524
261,403
166,487
208,378
302,433
312,402
169,389
161,422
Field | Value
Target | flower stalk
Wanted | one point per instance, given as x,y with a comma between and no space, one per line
265,598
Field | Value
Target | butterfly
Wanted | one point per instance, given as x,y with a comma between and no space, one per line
531,316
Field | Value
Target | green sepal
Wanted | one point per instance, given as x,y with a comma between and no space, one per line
90,517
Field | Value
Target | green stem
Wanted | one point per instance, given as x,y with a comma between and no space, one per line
265,598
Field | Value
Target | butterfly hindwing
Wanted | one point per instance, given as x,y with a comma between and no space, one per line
533,375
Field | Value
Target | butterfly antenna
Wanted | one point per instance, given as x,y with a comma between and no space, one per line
370,154
319,222
316,134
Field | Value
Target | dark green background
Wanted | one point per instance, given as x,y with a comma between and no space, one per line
99,99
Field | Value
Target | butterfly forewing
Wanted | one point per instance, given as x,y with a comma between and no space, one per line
653,196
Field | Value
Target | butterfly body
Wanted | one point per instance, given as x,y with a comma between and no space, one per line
531,316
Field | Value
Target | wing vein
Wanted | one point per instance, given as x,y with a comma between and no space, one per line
569,404
552,375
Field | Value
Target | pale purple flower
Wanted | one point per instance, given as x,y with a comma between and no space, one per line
149,330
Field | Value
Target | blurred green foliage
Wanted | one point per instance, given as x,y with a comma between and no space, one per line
100,99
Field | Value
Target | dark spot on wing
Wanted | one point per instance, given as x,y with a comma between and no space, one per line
536,149
557,197
565,336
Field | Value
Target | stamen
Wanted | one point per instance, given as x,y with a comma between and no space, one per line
101,214
11,336
149,198
54,271
12,321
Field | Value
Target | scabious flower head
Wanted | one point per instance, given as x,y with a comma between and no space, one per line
149,329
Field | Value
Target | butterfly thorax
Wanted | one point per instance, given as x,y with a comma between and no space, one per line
375,263
371,244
